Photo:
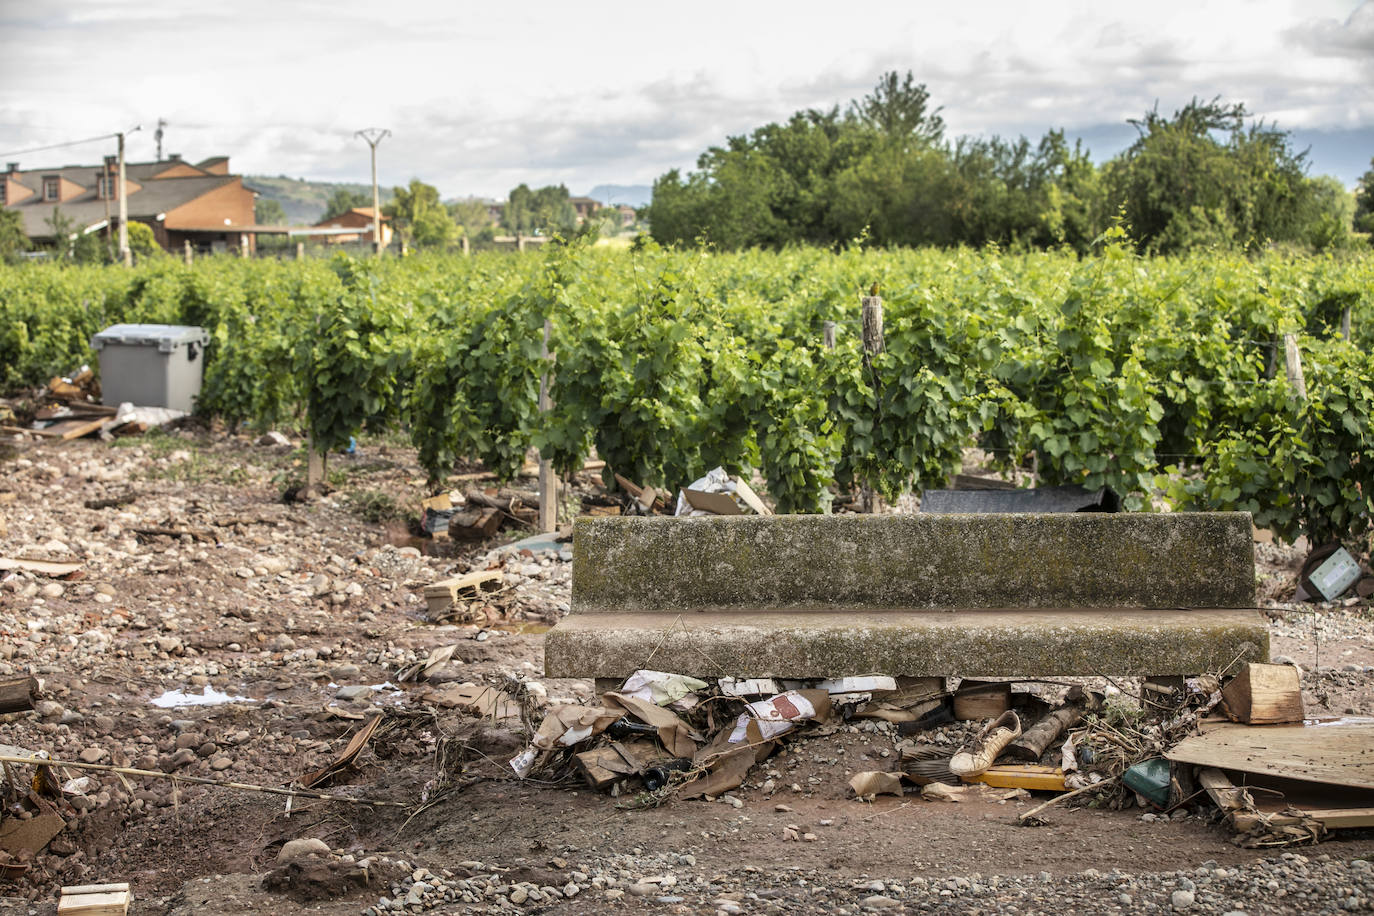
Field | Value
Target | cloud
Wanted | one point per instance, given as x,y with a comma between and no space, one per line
480,98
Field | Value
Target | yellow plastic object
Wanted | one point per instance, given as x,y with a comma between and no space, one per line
1021,776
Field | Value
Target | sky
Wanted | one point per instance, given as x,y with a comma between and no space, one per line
481,97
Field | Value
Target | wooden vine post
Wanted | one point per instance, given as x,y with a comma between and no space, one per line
828,334
548,483
871,315
314,467
1293,359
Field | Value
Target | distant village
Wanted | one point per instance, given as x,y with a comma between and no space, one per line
200,208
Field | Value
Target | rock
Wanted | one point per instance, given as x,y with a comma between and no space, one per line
49,709
274,438
1181,900
244,572
51,590
519,895
879,902
220,764
344,672
93,754
354,692
292,850
282,643
643,889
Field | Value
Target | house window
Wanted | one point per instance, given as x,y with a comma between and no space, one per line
4,192
50,188
103,185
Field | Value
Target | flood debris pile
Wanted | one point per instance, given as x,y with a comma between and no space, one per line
1178,746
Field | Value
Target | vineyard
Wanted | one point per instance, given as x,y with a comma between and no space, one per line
1164,378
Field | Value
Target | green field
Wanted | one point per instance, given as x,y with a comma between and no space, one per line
1164,377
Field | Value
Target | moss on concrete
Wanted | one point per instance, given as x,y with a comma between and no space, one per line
1117,642
1184,560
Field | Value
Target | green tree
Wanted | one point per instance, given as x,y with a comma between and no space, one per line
268,212
13,241
419,216
342,200
142,241
900,110
1364,203
546,210
62,228
1202,179
472,216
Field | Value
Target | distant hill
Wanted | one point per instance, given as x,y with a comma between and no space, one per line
636,195
304,201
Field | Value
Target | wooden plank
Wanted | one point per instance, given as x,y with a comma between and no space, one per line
976,700
96,888
1247,810
111,903
439,595
1264,695
1021,776
78,428
1339,754
42,567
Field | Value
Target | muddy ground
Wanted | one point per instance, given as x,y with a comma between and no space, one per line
304,614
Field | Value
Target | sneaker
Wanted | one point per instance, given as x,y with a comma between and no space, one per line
979,754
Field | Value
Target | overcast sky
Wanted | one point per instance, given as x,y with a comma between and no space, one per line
482,96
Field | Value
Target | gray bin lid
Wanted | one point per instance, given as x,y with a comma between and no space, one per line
166,337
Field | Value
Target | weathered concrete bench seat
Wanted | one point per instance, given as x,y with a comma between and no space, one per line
829,596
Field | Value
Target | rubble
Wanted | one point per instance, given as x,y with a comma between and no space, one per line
330,604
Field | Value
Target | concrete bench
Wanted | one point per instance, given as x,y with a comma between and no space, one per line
973,595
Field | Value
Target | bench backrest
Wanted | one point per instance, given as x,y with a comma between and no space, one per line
874,562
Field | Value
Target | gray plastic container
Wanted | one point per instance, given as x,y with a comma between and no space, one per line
151,365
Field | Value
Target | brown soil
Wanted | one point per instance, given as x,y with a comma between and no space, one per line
182,614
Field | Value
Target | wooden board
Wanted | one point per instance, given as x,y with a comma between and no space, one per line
1264,695
1337,754
440,595
41,567
107,903
1319,803
70,429
976,700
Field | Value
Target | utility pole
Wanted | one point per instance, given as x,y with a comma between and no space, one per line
125,254
373,136
157,135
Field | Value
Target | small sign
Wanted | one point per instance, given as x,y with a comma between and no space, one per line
1335,575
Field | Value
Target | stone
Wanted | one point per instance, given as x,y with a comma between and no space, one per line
879,902
273,438
49,709
519,895
1181,900
354,692
292,850
812,596
51,590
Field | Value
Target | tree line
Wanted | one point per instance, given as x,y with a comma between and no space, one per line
884,170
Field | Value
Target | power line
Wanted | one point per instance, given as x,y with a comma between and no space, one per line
39,149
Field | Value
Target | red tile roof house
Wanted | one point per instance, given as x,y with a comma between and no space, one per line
353,226
202,203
